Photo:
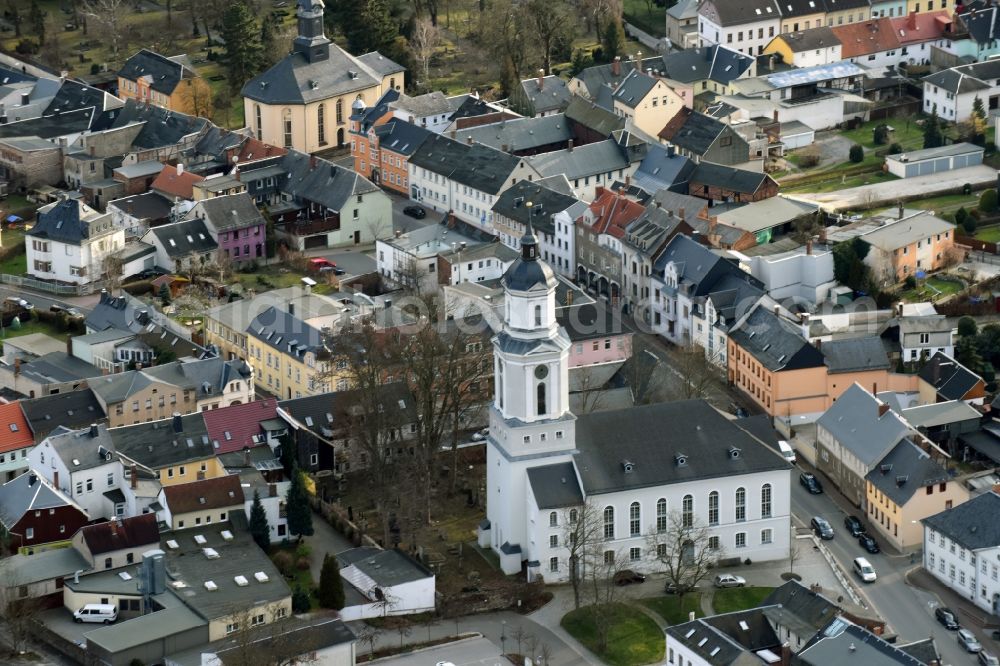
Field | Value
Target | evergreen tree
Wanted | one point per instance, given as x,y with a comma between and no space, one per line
270,53
613,41
978,121
933,136
164,294
300,601
331,586
300,519
367,24
243,55
288,452
259,529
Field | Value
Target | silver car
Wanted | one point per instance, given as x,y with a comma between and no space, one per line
729,580
968,641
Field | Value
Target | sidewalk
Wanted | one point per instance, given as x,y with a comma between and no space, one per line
968,612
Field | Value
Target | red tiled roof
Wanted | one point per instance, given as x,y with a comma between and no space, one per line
121,534
254,149
15,433
866,38
176,184
613,212
217,493
675,124
917,28
240,422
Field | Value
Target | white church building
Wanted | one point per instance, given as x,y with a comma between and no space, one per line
636,467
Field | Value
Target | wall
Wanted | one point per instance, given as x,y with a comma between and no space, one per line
43,460
413,597
195,470
802,276
30,169
197,519
273,508
55,524
749,38
66,259
217,628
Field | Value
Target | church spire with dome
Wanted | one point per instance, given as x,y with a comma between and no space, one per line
312,43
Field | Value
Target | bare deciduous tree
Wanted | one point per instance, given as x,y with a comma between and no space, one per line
18,612
109,16
682,548
643,374
694,372
583,537
423,41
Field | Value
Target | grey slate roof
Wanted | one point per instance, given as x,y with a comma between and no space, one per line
729,178
79,449
940,413
388,567
972,524
727,639
326,413
545,203
924,651
207,376
808,40
147,206
478,166
797,607
158,444
59,367
46,565
833,647
320,181
776,343
698,133
950,379
598,157
400,137
555,486
906,470
689,428
28,492
285,333
854,421
699,268
429,104
633,88
180,239
737,13
553,95
163,73
72,409
662,169
856,354
62,222
228,212
966,78
519,134
294,80
593,117
161,127
717,63
983,24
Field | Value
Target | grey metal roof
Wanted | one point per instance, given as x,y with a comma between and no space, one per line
662,168
148,206
433,103
180,239
904,471
833,647
295,80
28,492
228,212
856,354
599,157
387,568
717,63
144,629
738,13
690,428
729,178
552,95
160,127
555,486
972,524
774,342
809,40
593,117
855,423
327,413
793,8
799,608
940,413
934,153
983,24
45,565
767,214
513,202
529,273
728,639
924,651
57,367
950,379
159,444
79,449
698,133
520,134
633,88
206,376
73,409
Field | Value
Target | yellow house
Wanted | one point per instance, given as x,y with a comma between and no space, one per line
201,503
840,12
168,82
806,48
906,487
647,101
173,451
305,100
290,356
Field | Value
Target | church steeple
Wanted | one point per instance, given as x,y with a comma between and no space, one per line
311,43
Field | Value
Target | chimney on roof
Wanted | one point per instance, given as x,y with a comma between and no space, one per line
312,161
541,79
680,213
114,527
901,210
32,479
882,409
777,310
25,98
17,366
786,654
291,309
468,140
505,148
569,145
94,430
628,181
180,169
616,66
638,61
178,422
911,21
809,247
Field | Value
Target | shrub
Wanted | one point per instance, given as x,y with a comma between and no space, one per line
895,149
303,550
857,153
302,564
283,560
988,201
969,225
881,135
300,601
967,326
910,282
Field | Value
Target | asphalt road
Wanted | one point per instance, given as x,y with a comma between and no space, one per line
908,610
41,301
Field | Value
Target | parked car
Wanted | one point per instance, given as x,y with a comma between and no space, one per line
415,212
947,619
868,543
729,580
480,435
72,313
968,641
628,577
786,451
670,587
988,658
821,527
811,483
150,274
100,613
864,569
15,302
854,526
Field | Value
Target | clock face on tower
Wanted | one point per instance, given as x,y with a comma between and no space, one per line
542,371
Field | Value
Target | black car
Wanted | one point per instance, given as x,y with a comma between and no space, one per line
415,211
868,543
822,528
811,483
854,526
628,577
944,615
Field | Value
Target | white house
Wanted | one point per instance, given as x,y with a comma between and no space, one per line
746,27
82,464
589,167
547,468
389,581
804,275
413,256
962,550
952,92
70,241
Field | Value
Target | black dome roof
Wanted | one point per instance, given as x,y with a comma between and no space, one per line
527,272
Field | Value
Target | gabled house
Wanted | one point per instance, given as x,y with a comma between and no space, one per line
237,225
588,167
799,15
291,356
943,378
682,25
548,95
69,243
82,465
701,137
170,82
647,101
728,638
30,161
911,244
520,136
137,213
718,183
35,513
924,336
382,143
953,91
840,637
797,613
598,245
982,25
118,542
238,427
383,583
201,503
806,48
187,245
16,439
73,409
744,26
175,183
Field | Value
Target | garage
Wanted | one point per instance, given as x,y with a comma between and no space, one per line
313,242
930,161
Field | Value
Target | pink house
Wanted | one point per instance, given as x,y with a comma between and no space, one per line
238,225
600,343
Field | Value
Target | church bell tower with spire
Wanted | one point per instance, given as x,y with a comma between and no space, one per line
311,43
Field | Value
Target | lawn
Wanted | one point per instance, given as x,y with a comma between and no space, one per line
932,288
670,609
16,264
633,637
275,277
842,182
638,13
906,133
948,203
33,327
989,234
739,598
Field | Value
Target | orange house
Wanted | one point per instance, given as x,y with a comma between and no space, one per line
910,245
167,82
381,144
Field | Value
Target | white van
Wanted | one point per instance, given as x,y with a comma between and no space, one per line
787,452
864,570
106,613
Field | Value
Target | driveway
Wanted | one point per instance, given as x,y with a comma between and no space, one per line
324,540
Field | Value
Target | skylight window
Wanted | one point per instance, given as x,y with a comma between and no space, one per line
13,427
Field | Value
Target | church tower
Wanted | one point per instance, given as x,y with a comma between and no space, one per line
530,421
311,43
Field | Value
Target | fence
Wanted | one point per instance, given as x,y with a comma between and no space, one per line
976,244
49,287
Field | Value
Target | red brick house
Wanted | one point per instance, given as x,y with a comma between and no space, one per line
36,513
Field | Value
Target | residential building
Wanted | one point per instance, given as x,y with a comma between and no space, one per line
922,337
236,224
952,92
717,183
729,638
200,503
411,258
118,542
598,244
218,185
599,164
909,485
853,436
804,275
138,177
806,48
81,464
184,246
797,613
486,262
799,15
839,12
948,424
943,378
35,514
432,110
662,169
382,144
547,95
520,136
465,180
981,26
42,575
69,243
383,583
73,409
16,439
551,215
148,451
682,25
29,162
238,427
961,548
746,27
137,213
174,183
917,243
155,329
701,137
178,387
170,82
646,100
303,101
55,372
600,346
838,636
291,357
703,461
